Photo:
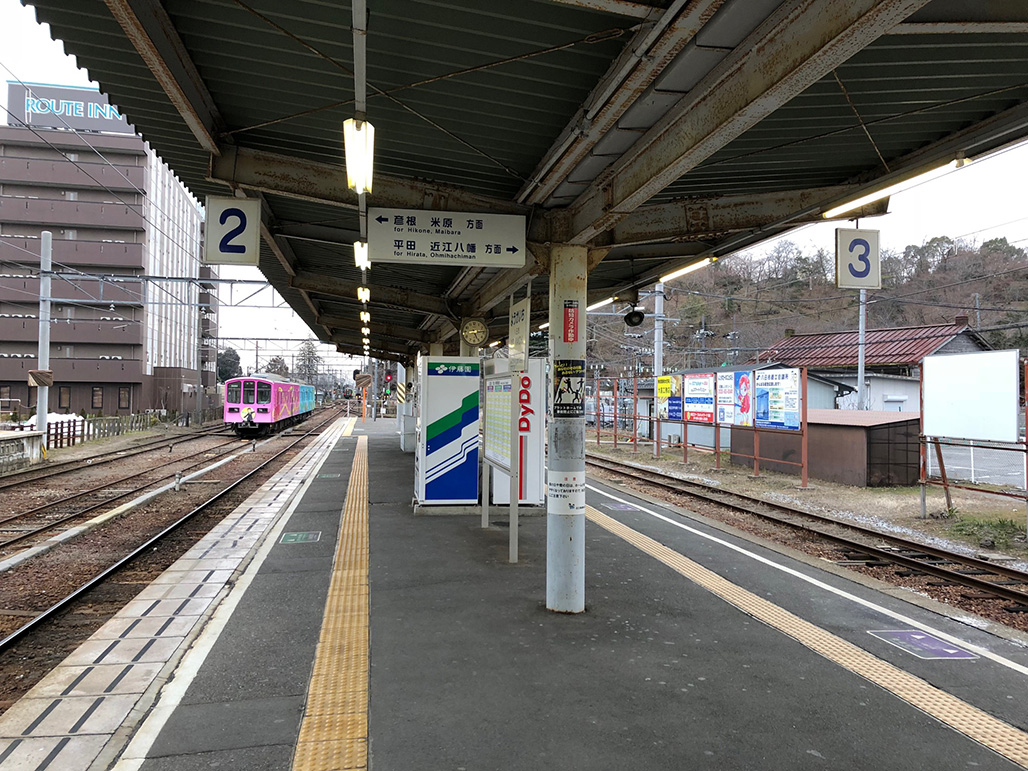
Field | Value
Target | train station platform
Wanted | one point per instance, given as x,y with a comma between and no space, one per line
325,626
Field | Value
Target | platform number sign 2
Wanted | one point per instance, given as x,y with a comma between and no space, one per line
232,231
857,260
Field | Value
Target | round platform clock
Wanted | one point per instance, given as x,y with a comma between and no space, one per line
474,331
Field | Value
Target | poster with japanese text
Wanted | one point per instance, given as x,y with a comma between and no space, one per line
735,398
776,398
698,397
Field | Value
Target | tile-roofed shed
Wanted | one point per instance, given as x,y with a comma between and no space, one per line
898,346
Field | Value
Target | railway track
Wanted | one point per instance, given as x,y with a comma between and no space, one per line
38,618
58,468
862,545
41,519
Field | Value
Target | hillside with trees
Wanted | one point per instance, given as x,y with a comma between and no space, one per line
741,304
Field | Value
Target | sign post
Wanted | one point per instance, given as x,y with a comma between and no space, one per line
858,266
232,231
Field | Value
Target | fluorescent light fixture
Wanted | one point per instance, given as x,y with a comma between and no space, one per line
600,304
365,330
360,255
494,343
894,188
544,326
363,294
367,341
365,317
687,269
359,144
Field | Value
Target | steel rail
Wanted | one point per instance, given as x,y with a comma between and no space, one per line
63,603
56,469
705,492
105,485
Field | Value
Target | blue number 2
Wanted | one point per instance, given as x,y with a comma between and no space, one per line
226,246
860,242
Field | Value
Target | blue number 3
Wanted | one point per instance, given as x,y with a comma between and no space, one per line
862,273
225,245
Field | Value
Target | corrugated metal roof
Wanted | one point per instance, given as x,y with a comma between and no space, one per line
503,99
899,346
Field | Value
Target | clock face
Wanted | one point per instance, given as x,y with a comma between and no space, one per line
474,332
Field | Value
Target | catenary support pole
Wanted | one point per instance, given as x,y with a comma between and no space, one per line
43,352
565,496
861,346
658,356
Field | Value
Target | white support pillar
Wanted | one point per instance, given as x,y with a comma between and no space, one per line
43,350
565,497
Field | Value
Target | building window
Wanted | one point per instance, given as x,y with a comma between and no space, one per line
64,398
32,396
5,392
124,394
98,397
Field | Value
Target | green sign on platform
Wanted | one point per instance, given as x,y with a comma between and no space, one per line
301,537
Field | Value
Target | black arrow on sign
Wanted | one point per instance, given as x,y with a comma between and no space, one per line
380,219
512,249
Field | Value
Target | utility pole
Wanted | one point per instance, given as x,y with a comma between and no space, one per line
658,353
43,351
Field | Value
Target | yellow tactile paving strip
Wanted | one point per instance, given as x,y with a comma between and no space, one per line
993,733
334,730
350,423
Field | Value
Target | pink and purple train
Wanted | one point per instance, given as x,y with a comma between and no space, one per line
263,403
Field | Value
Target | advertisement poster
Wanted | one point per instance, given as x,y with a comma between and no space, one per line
735,398
776,398
699,397
569,388
669,397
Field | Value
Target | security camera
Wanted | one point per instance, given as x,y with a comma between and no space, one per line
634,318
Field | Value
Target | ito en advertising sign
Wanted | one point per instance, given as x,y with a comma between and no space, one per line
698,397
735,398
776,398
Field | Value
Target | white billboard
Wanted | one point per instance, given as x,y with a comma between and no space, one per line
972,396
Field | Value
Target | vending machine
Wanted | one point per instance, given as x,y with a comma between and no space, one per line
446,461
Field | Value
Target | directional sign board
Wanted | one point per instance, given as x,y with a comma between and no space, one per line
363,380
857,262
446,237
232,232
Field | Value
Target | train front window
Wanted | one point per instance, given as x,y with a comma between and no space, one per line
248,392
264,393
234,390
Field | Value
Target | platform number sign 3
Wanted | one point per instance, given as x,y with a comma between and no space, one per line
857,260
232,231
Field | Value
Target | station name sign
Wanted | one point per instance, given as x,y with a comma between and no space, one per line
446,237
63,107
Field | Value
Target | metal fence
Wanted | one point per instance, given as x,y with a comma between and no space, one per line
989,463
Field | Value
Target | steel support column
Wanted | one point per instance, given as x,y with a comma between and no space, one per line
565,497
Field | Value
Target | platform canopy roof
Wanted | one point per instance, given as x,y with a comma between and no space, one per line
657,133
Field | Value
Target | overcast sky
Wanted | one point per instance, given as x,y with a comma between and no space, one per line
981,201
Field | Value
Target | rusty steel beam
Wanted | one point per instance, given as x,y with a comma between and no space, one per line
378,328
340,338
644,58
706,217
322,234
619,7
795,48
358,350
149,28
326,183
380,295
